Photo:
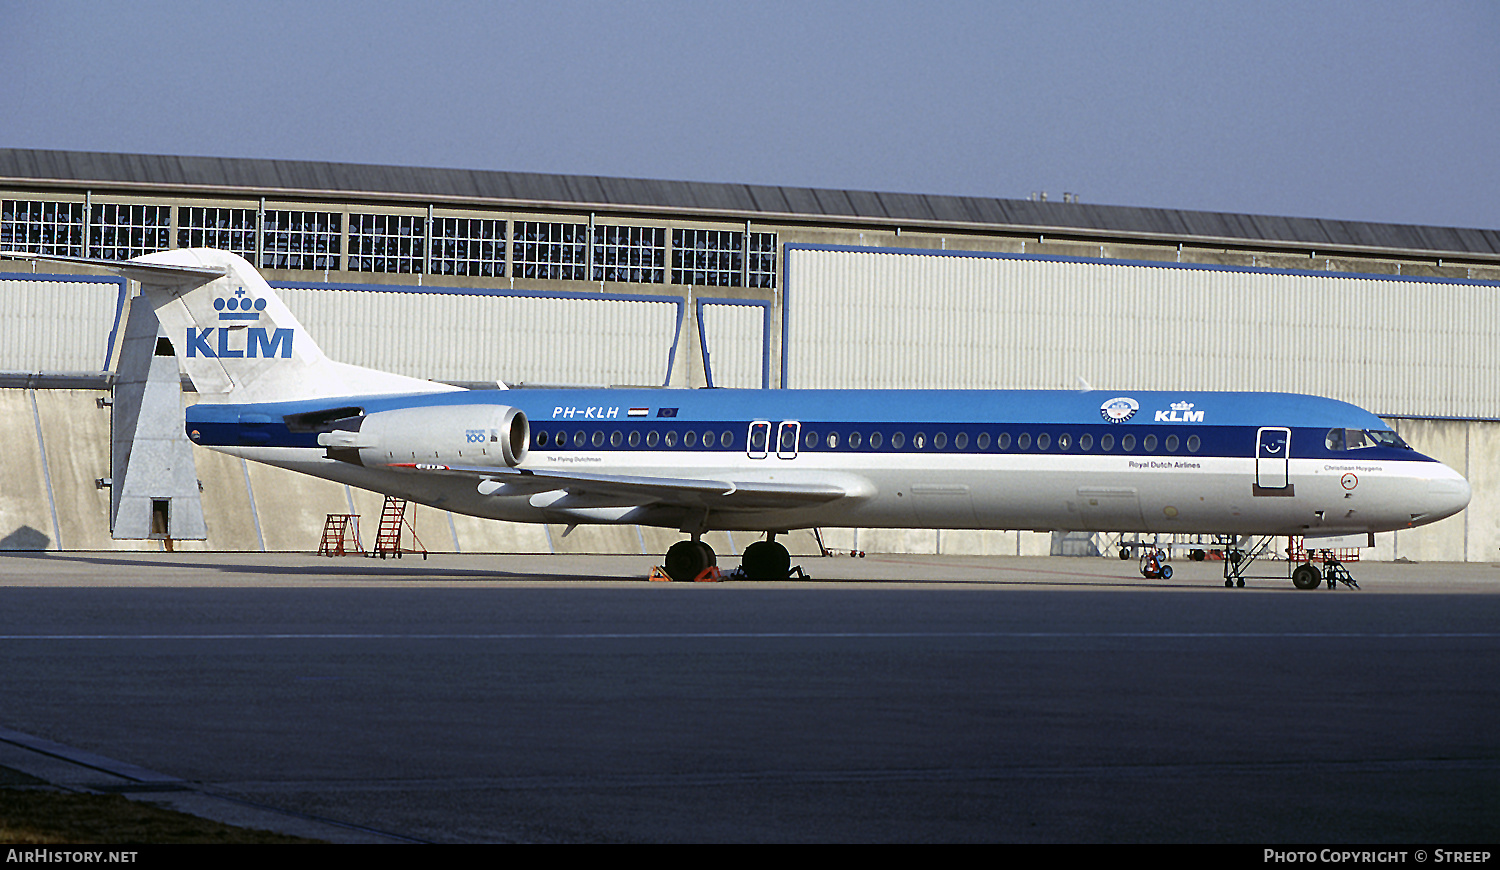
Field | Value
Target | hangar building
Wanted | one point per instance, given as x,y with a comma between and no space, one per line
470,277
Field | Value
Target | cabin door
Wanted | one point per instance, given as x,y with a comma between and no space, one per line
1273,448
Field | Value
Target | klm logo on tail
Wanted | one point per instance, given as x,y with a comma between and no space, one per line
235,315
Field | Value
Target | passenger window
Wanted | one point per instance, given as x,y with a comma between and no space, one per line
810,439
898,440
1063,441
1149,444
1023,442
919,441
1171,443
1194,442
1127,443
579,438
708,439
652,437
960,441
854,440
599,438
1004,442
689,439
541,439
616,438
635,437
875,440
670,439
940,441
1043,441
1107,442
1085,442
726,438
833,440
983,443
1335,439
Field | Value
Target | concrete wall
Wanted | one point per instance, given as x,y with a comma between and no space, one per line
57,446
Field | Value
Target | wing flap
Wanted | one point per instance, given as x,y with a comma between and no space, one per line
643,490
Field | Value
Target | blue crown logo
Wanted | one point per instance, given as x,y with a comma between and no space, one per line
239,307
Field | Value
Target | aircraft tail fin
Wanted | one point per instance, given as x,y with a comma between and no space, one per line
238,341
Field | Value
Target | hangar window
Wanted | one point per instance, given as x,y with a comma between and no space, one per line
120,232
546,250
228,229
723,258
760,266
387,243
42,227
468,246
634,254
310,240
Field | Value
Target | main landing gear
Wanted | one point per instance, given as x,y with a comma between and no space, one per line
763,560
687,560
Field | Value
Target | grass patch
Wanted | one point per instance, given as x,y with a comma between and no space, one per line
36,816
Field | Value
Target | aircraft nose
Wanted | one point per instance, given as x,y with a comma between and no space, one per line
1447,494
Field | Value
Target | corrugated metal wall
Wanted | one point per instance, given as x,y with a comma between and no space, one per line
1402,347
464,337
734,339
57,326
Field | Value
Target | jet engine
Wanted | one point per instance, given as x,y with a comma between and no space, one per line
477,435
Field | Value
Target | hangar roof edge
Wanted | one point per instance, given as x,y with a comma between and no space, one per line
743,201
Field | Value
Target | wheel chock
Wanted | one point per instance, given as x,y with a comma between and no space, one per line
709,575
659,574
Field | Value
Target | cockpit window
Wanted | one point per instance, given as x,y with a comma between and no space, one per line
1386,438
1355,439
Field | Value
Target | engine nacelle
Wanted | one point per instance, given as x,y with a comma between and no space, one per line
479,435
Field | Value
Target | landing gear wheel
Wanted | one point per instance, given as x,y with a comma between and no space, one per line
1307,577
1124,554
687,559
766,560
1197,555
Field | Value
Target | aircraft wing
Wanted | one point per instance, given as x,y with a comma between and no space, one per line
624,489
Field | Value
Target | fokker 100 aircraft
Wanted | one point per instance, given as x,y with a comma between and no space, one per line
775,460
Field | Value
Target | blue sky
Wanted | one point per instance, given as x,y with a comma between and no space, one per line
1380,111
